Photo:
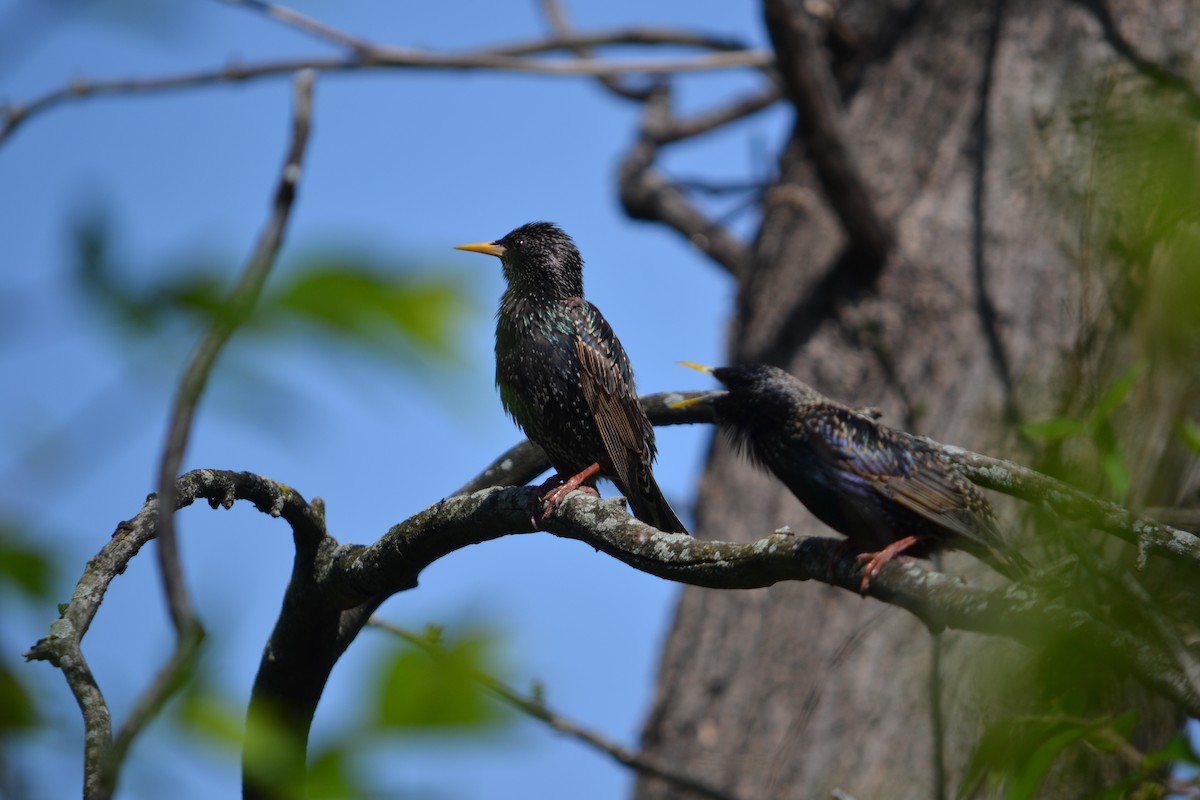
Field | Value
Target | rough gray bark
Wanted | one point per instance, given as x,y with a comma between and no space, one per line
960,116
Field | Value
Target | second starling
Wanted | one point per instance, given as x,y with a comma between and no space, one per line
888,492
564,376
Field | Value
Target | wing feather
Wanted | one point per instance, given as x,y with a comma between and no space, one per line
858,446
606,381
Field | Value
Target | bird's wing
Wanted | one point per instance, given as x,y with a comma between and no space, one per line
861,448
607,383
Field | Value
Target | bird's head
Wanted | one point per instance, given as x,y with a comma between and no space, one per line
756,396
538,258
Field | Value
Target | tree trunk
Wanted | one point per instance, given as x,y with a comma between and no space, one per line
963,120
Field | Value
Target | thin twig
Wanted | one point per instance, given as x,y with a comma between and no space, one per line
512,58
307,24
237,308
1074,504
678,128
557,18
647,194
536,708
189,631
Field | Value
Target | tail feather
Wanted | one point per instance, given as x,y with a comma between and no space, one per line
648,504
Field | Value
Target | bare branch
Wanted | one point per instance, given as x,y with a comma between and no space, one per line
62,646
511,58
536,708
1068,502
195,377
190,632
557,18
646,194
307,24
811,88
677,128
524,461
358,578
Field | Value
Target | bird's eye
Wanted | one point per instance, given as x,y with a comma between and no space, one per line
520,242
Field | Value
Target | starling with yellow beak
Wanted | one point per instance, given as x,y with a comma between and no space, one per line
564,377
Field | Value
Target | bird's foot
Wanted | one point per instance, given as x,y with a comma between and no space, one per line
551,495
875,561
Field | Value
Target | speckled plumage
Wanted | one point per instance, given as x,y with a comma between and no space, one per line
563,375
874,484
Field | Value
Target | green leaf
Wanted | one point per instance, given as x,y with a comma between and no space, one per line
1124,724
1116,394
1116,473
1177,751
1017,754
192,288
16,705
369,305
25,566
1024,781
1189,433
1055,428
419,690
330,776
272,754
204,712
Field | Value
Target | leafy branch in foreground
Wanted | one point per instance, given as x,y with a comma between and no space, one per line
534,705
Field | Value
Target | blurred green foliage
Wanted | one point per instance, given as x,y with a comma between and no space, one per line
1189,433
1063,713
203,712
390,308
1097,428
24,566
1015,756
1147,193
430,686
390,312
26,571
440,684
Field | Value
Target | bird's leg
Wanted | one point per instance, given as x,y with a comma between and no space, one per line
876,560
843,549
555,496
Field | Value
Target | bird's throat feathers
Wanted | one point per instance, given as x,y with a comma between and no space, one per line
550,279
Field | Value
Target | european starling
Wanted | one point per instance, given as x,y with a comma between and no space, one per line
887,491
564,377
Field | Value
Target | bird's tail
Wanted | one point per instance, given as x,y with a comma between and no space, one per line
648,504
1005,560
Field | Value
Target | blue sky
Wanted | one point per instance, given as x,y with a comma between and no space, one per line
403,166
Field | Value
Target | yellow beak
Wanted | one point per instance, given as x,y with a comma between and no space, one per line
692,401
487,248
701,399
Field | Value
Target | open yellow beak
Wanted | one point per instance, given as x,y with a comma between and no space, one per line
487,248
701,399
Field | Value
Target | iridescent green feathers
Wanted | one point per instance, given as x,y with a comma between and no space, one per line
564,376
